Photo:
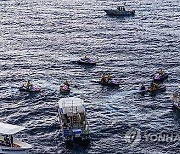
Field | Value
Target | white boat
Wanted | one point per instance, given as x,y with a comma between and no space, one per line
72,117
10,145
121,11
176,99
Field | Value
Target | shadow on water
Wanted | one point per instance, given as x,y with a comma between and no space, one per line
120,17
88,67
80,147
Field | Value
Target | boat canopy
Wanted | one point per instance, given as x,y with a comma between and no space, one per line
71,105
9,129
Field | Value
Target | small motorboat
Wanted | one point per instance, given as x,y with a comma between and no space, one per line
120,11
86,61
73,121
160,77
65,89
32,88
110,83
9,144
176,99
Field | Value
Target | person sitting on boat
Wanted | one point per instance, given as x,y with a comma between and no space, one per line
108,77
66,83
103,78
6,140
161,72
154,86
143,87
28,84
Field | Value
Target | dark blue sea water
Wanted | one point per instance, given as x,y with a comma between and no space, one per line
40,40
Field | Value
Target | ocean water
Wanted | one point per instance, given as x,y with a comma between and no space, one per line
41,40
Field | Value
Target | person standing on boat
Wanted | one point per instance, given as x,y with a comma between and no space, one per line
11,140
154,86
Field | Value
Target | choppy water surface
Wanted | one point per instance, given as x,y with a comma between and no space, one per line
40,40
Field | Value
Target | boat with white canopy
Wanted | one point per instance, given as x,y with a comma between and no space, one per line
9,144
72,117
120,11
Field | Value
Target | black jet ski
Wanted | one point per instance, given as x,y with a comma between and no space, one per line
87,61
32,88
160,77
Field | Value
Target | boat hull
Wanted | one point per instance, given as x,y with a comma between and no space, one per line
75,135
13,150
71,140
86,62
110,84
63,91
119,13
18,147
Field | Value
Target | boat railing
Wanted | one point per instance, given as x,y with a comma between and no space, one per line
7,143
